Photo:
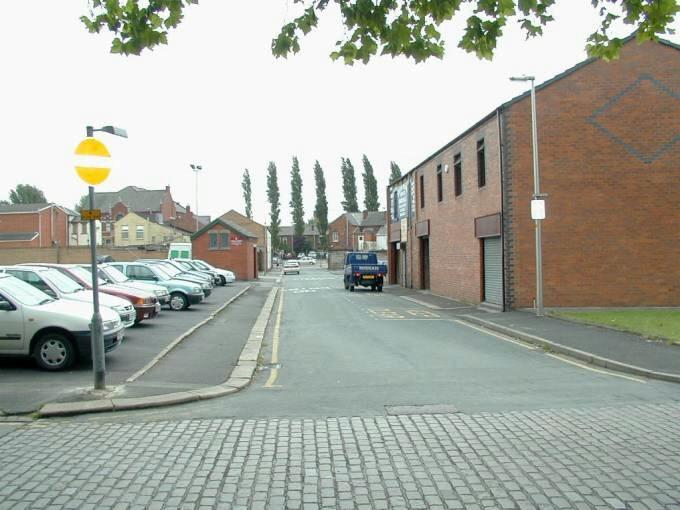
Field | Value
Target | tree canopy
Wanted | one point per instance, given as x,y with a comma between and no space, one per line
321,209
296,204
273,197
349,186
410,28
27,194
371,201
395,171
247,193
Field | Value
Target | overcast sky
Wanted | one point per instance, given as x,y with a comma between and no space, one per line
215,96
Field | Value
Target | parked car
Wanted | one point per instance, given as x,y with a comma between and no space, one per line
204,281
183,293
59,286
189,266
306,260
312,254
363,268
54,332
146,304
111,275
226,275
291,266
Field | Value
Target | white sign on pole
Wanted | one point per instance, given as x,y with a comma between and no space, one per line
538,209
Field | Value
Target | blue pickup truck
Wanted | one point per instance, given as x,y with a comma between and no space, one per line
363,268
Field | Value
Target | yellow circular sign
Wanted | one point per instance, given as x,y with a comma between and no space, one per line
93,161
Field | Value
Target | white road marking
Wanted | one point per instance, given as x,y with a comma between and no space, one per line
434,307
497,335
593,369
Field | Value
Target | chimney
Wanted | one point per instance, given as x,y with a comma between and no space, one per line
365,214
167,188
188,209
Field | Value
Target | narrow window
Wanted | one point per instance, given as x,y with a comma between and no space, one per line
83,228
395,206
336,238
481,164
213,240
458,174
140,232
422,191
440,184
224,240
125,232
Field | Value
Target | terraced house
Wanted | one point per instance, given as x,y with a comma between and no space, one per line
608,146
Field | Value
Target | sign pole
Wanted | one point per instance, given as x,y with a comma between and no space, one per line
97,335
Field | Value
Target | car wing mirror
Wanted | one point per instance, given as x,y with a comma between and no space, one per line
6,306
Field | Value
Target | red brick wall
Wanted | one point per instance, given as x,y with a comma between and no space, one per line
239,258
118,208
339,225
455,266
612,235
167,206
19,223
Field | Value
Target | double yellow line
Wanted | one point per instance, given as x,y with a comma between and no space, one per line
273,375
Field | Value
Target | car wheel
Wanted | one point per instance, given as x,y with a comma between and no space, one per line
351,288
223,281
54,351
372,288
178,301
379,288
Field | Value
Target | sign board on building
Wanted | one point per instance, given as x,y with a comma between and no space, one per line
91,214
538,209
404,230
398,245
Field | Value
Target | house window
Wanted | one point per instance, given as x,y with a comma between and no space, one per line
224,240
440,184
125,232
213,240
336,237
481,164
458,174
422,191
119,216
105,227
139,232
83,228
284,241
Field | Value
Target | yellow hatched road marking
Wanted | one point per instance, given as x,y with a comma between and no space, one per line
275,345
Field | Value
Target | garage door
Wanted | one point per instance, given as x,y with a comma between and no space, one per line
493,271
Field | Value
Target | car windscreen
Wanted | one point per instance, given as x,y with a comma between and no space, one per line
114,274
202,265
160,272
62,282
23,292
85,275
169,268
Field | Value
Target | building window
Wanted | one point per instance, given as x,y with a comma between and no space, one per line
105,227
125,232
440,184
224,240
213,240
336,237
422,191
284,241
458,174
83,228
119,216
395,206
139,232
481,164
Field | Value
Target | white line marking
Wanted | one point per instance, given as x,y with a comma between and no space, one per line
497,335
434,307
592,369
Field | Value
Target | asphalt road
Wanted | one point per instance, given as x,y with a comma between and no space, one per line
364,353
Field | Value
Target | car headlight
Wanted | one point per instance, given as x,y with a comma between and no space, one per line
206,285
160,292
119,308
111,325
196,290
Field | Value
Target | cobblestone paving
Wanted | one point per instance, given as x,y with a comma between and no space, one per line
626,457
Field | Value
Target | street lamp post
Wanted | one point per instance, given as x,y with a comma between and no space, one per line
94,173
196,169
539,215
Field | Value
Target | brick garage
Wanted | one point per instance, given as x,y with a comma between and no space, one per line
608,152
33,226
228,246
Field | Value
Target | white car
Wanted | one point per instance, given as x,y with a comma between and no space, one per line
59,286
291,266
306,260
54,332
228,276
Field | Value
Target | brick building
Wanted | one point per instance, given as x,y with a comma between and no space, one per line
33,226
226,245
264,248
609,143
311,236
156,205
356,231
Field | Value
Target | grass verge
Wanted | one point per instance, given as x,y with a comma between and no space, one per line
662,324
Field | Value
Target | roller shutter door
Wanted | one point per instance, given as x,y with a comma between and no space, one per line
493,271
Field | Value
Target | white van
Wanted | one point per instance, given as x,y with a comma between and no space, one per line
179,251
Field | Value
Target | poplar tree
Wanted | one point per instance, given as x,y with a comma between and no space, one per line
273,197
371,202
297,209
395,172
247,194
349,187
321,209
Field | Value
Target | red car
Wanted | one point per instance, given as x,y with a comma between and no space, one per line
146,304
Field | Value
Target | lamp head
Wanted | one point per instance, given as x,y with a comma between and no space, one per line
522,78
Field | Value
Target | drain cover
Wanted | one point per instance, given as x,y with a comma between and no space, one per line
421,409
